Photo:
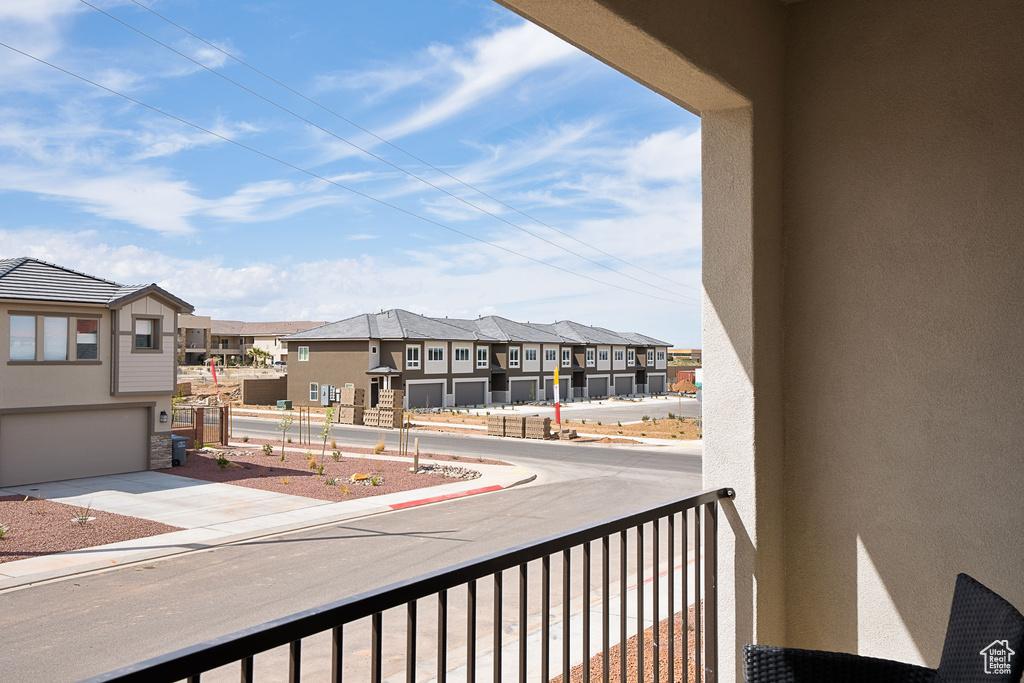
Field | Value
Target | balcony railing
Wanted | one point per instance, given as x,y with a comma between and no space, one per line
686,574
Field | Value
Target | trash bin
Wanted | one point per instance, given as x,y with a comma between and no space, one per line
179,448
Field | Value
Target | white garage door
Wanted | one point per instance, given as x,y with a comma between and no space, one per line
38,447
623,386
425,395
597,387
656,384
470,393
523,389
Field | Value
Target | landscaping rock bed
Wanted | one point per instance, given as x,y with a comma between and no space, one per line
347,478
38,527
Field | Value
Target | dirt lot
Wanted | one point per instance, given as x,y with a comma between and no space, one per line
299,473
685,428
42,527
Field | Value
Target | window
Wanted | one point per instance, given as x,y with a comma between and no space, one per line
145,333
550,355
462,353
513,357
661,356
566,358
412,357
602,355
23,337
314,391
373,349
531,354
630,357
303,353
435,353
590,358
55,338
650,358
481,356
618,355
87,339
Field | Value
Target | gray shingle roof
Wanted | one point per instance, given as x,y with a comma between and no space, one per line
36,280
400,324
258,329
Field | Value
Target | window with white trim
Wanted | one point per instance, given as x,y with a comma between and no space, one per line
566,358
513,356
23,337
435,353
481,357
146,335
314,391
462,353
550,355
618,356
630,357
303,353
412,357
650,357
661,356
602,355
531,354
590,358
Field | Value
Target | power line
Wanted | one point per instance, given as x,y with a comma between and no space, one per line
428,164
335,183
375,156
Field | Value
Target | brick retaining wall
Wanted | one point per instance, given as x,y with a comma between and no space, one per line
264,392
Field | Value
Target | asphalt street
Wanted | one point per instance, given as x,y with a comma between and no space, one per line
75,628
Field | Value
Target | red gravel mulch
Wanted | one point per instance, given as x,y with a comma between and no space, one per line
315,449
615,654
251,468
42,527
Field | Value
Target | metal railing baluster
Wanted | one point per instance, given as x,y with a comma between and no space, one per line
337,650
655,596
640,603
522,623
294,661
410,642
247,672
606,610
685,543
566,605
711,593
697,599
623,589
376,638
545,618
193,679
442,636
471,632
672,598
497,626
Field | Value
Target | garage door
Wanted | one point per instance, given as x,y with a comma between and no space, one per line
521,389
563,389
40,447
425,395
656,384
597,387
623,386
469,393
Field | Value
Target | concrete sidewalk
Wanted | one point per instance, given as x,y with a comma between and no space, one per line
212,514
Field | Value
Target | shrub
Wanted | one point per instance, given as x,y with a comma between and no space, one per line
245,439
4,530
284,480
337,456
267,449
330,481
222,462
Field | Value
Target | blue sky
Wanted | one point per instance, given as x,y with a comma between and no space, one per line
606,172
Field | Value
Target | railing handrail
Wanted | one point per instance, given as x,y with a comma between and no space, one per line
233,647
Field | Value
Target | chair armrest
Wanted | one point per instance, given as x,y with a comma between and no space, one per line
767,664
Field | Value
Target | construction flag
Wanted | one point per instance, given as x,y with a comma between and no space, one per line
558,412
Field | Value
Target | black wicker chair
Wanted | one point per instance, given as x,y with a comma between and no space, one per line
984,643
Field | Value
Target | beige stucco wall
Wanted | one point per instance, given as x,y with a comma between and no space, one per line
905,266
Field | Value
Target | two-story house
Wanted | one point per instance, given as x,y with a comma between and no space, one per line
442,362
90,369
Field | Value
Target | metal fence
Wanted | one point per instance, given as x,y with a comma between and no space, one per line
691,522
202,424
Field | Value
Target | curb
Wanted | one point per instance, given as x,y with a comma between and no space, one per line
131,558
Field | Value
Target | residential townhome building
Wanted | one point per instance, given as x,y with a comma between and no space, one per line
443,362
201,338
90,369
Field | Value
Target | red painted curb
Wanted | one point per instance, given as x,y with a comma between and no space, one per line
447,496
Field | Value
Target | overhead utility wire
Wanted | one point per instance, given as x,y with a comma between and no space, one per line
332,182
424,162
379,158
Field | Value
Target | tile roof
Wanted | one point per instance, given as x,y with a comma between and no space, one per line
400,324
36,280
261,329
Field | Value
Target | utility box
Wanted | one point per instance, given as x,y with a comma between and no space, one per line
179,450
